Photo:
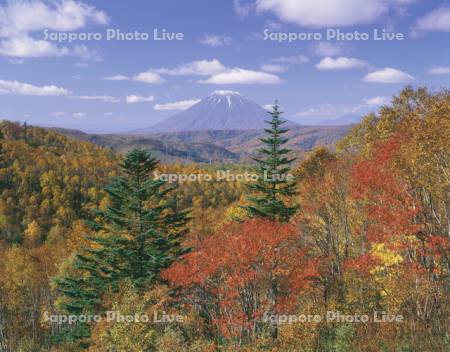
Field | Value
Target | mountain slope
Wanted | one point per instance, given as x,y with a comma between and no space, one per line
168,151
222,110
227,146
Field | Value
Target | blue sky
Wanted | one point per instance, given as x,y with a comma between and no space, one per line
120,85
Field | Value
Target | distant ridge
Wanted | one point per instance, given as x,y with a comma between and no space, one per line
226,146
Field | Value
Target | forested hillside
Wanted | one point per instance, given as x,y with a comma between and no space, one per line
49,185
166,149
274,264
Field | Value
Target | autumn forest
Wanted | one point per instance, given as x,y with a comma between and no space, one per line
349,253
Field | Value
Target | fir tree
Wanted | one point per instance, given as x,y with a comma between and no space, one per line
274,185
137,236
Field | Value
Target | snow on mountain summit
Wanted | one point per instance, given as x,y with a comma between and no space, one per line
230,96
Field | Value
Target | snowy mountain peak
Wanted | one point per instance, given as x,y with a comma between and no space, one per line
222,110
228,96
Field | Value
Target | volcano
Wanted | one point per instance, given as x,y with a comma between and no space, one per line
222,110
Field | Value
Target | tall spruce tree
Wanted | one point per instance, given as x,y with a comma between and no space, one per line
273,187
137,236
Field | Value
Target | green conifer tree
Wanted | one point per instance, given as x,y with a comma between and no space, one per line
275,185
137,236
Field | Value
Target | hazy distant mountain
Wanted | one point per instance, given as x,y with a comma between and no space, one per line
222,110
222,146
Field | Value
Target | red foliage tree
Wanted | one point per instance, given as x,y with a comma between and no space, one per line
391,207
388,203
243,271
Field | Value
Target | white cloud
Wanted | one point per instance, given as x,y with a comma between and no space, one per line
60,15
327,13
117,78
282,63
59,114
85,53
16,87
440,70
242,9
216,40
178,105
131,99
388,75
195,68
377,101
330,112
327,49
19,19
241,76
322,111
437,20
105,98
299,59
268,107
217,72
340,63
148,77
273,68
26,46
79,114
